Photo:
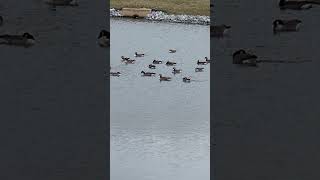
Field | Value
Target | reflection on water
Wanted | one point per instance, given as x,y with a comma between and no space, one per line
159,130
273,107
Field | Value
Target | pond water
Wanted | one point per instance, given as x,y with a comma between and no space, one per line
265,117
159,130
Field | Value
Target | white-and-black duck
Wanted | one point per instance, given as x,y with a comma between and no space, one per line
151,66
157,62
138,55
176,71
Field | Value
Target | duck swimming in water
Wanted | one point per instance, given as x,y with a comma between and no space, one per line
115,74
202,62
176,71
172,50
243,58
296,5
162,78
25,40
219,31
151,66
104,38
199,69
157,62
124,58
1,20
138,55
169,63
147,73
186,79
286,25
62,2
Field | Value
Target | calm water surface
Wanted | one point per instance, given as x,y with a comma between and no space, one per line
159,130
270,113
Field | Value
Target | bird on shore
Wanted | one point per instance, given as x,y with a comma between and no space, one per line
25,40
243,58
286,25
104,38
219,31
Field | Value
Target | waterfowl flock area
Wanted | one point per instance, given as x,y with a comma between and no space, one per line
265,117
161,125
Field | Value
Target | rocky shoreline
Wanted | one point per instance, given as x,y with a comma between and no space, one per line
162,16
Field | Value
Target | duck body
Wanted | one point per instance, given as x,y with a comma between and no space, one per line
129,61
219,31
124,58
115,73
162,78
157,62
202,62
1,20
151,66
241,57
62,2
26,40
104,38
172,51
199,69
138,55
207,59
168,63
295,5
147,73
286,25
176,71
186,79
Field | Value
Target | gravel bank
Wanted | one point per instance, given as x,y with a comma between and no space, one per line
162,16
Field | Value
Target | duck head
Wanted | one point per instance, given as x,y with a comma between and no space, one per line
276,24
104,33
282,2
225,26
241,51
28,36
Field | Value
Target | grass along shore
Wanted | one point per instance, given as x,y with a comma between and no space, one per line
188,7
